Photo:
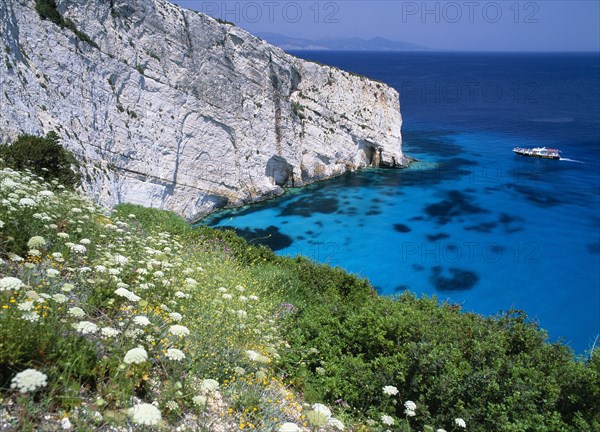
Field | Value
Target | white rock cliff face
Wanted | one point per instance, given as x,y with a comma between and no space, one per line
174,110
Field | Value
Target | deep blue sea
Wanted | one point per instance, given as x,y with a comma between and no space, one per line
471,222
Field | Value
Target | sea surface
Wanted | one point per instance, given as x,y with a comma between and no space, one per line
471,222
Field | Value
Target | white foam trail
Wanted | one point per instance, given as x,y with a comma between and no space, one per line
570,160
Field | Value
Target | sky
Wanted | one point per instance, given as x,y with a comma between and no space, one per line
469,25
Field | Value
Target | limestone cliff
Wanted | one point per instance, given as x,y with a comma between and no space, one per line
171,109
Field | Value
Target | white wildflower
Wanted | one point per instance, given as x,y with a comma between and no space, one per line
52,273
36,242
63,235
67,287
410,405
141,320
109,332
14,257
45,194
76,312
460,423
10,283
122,292
85,241
252,355
135,356
191,282
86,327
120,260
26,306
179,330
172,405
253,297
387,420
175,354
209,385
175,316
145,414
29,380
30,316
27,202
390,390
79,248
227,296
59,298
180,294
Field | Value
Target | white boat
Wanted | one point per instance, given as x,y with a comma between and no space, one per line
540,152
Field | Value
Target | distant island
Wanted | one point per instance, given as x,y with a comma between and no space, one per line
339,43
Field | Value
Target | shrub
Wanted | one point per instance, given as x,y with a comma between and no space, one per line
347,343
45,157
46,9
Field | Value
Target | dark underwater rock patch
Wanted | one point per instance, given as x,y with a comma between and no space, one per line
460,279
594,248
455,204
484,227
309,205
270,236
438,236
511,223
401,228
538,197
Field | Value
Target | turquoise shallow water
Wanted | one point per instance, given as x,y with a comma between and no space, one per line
471,222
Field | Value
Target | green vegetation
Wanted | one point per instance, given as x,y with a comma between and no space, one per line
222,21
45,157
104,312
298,109
47,10
139,68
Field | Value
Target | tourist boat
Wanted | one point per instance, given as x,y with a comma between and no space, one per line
541,152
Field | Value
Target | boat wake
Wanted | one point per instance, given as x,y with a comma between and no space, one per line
571,160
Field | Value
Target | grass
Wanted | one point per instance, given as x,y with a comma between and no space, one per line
137,320
95,285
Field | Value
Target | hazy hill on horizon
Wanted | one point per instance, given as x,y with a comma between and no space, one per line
339,43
